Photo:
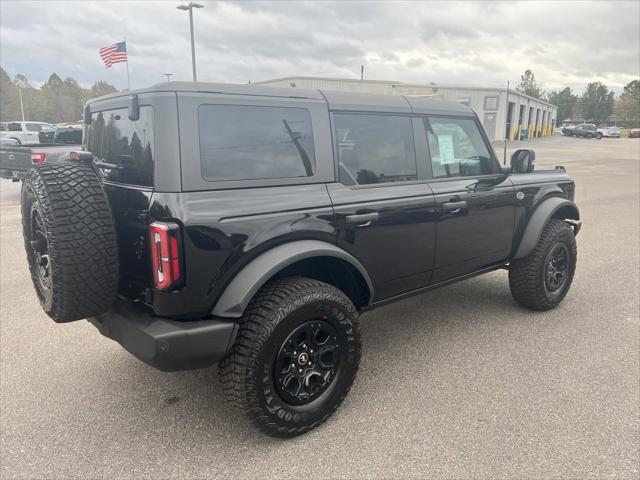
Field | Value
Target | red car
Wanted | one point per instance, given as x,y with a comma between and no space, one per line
634,133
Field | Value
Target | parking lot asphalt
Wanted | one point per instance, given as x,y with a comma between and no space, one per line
460,382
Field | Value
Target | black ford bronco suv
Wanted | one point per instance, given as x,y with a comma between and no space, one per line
251,225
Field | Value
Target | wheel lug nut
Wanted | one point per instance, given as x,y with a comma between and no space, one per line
300,370
295,353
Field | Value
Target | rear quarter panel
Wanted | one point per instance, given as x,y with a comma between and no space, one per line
224,230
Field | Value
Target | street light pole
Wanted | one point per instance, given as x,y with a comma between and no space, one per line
190,6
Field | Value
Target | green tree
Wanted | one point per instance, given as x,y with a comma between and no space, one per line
56,101
627,107
565,100
101,88
596,103
528,85
632,88
9,100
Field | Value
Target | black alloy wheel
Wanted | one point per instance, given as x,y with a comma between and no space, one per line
557,268
307,362
40,251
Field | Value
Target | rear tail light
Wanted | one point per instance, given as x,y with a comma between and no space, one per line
37,158
165,255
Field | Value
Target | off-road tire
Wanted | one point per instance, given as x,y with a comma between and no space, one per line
527,275
67,199
247,374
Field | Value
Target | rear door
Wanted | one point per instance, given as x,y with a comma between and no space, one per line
384,210
475,201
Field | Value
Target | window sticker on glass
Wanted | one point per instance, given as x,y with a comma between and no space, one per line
445,144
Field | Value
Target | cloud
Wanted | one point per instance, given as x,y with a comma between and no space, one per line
475,43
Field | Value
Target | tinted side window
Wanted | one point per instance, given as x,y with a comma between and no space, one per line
375,148
457,148
34,127
251,143
71,136
113,138
14,127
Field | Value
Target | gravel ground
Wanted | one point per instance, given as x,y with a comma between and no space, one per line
456,383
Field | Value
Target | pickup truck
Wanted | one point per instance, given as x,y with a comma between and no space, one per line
28,132
17,159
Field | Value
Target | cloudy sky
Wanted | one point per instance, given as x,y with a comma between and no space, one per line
564,43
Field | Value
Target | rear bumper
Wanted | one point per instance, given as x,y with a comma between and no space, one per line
166,344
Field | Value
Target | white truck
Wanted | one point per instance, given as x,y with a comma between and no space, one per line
27,133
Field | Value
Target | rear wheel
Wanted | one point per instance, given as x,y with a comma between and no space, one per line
599,136
70,240
589,136
295,357
541,280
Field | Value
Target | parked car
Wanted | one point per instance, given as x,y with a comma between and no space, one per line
240,224
610,132
16,159
634,133
585,130
28,133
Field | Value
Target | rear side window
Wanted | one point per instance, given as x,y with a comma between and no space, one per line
126,144
250,143
457,148
375,148
14,127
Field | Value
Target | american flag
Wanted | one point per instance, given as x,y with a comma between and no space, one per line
114,54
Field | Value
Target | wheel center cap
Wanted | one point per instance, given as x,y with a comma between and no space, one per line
303,358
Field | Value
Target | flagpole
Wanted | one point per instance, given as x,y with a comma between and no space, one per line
128,77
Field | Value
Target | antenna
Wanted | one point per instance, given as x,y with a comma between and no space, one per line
168,75
507,123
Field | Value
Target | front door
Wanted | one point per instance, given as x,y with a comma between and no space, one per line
476,202
384,214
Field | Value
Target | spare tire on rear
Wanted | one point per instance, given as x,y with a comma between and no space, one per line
70,238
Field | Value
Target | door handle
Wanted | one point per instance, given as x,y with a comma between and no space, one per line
363,220
454,207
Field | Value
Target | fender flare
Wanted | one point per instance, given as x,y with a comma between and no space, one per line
539,220
254,275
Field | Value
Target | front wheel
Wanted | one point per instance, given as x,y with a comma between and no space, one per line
589,136
541,280
599,136
295,357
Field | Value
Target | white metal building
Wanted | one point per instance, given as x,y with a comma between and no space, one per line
525,117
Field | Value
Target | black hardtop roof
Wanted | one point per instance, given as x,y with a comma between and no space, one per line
337,100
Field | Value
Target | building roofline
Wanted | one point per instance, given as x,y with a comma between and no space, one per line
355,80
393,83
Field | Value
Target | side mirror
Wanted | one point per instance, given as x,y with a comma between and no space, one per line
134,108
87,115
523,161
